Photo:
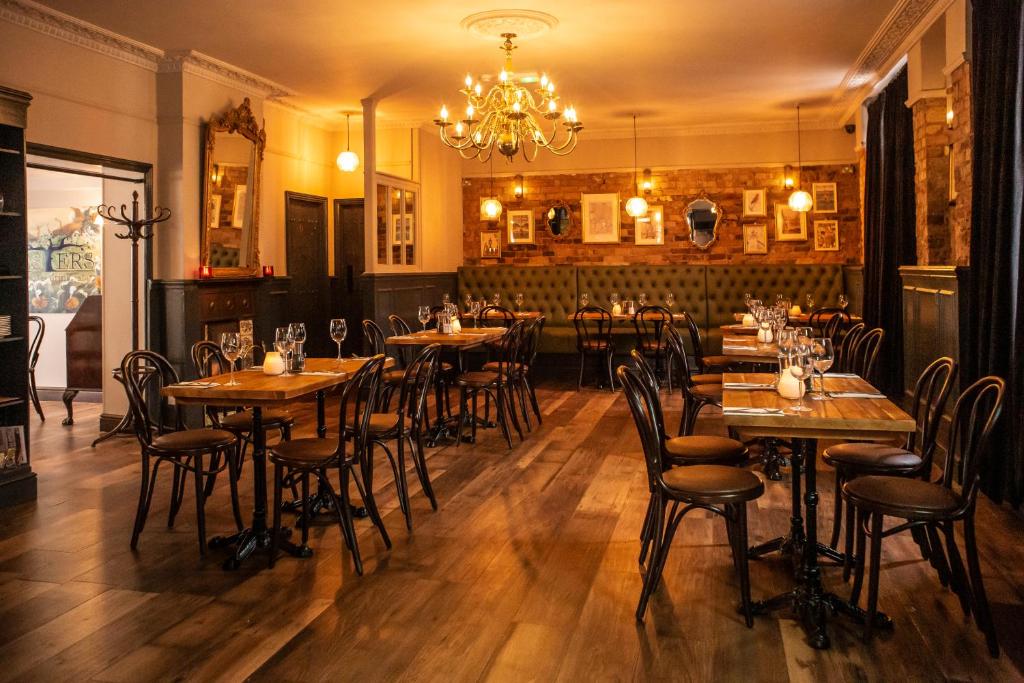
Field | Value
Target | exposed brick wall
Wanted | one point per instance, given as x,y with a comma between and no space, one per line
673,190
961,138
931,181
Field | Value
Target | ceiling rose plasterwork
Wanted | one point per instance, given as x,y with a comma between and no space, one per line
524,23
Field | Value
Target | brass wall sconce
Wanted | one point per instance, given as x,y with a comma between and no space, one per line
647,184
788,180
518,189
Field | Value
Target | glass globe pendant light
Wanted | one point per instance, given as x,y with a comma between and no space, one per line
636,206
348,160
800,201
491,207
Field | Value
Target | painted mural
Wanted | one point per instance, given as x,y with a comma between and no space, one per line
64,258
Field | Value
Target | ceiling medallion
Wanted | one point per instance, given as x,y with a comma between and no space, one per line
524,23
511,117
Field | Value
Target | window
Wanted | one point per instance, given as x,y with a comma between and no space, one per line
397,221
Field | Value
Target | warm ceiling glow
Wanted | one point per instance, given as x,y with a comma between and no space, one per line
636,207
348,161
800,201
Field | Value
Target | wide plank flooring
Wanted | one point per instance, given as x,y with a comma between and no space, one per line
528,571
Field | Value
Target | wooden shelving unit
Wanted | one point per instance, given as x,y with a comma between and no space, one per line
17,484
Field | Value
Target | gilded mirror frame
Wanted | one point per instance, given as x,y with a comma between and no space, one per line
559,204
716,209
239,120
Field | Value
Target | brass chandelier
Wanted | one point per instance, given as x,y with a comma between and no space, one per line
510,117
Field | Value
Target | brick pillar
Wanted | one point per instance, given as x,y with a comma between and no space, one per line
931,181
961,138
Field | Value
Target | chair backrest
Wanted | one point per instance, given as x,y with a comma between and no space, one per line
650,323
207,359
145,373
864,353
496,315
930,394
645,372
36,340
374,337
593,326
844,350
974,417
695,343
401,328
359,397
416,385
645,410
677,351
531,341
829,322
510,348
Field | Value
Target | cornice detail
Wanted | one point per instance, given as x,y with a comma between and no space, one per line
199,64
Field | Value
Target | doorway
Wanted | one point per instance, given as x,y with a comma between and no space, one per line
305,219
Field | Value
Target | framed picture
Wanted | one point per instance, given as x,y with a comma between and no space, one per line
238,206
490,244
650,229
824,196
790,225
755,202
520,227
755,238
826,235
601,218
397,226
214,211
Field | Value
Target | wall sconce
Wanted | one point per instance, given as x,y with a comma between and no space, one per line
949,119
518,189
268,271
647,184
788,181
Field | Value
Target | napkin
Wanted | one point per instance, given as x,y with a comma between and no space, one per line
748,385
320,372
199,383
736,347
754,411
854,394
850,375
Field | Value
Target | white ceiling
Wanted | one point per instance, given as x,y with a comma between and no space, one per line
677,63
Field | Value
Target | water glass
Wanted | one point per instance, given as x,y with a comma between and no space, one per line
445,299
809,300
474,310
339,330
614,298
822,354
284,342
670,300
230,347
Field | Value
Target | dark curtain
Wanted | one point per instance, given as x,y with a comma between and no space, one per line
993,337
889,223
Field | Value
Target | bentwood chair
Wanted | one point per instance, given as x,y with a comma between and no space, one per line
299,459
494,316
494,384
695,396
443,378
844,350
406,426
864,353
522,368
709,368
675,491
163,437
33,358
935,506
594,338
829,322
911,459
208,361
651,324
391,379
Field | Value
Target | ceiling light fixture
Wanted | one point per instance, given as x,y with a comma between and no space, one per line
636,205
490,208
348,160
510,118
800,201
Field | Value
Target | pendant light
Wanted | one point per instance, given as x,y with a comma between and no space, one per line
490,208
800,201
636,206
348,160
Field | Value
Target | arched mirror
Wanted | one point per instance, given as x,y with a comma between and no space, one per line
559,219
703,216
233,157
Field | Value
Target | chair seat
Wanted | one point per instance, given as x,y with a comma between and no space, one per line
381,423
652,345
477,380
708,392
304,452
193,440
242,421
393,376
595,344
705,449
718,361
901,497
875,457
494,366
707,378
714,483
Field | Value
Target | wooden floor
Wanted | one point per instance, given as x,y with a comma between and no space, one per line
527,571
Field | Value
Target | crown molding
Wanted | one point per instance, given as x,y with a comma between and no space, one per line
484,173
205,66
50,22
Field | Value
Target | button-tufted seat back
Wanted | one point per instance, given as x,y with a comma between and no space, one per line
548,289
685,282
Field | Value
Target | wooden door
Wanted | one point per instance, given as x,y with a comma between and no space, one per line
306,243
349,266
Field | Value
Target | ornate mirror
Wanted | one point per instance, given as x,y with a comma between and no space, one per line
703,216
233,157
559,219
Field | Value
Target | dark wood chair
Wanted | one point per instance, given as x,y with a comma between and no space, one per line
406,426
695,396
913,458
709,368
36,341
594,338
829,322
496,385
676,491
523,367
392,378
864,353
844,350
493,316
163,437
935,506
298,459
651,325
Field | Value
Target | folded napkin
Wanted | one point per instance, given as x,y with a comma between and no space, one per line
854,394
321,372
848,375
199,384
748,385
754,411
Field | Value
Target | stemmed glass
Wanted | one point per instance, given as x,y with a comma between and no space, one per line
614,299
642,299
284,342
801,358
844,301
298,332
670,300
423,315
244,349
584,300
474,309
339,330
809,300
230,346
519,301
496,299
747,298
469,302
822,354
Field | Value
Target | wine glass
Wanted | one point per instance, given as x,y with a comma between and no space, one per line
423,315
469,302
284,341
230,346
584,300
244,349
519,301
801,366
809,300
474,310
747,298
844,301
614,298
822,354
298,332
670,300
339,330
641,299
496,299
445,299
804,336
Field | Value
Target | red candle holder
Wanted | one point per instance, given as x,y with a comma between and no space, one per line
205,272
268,271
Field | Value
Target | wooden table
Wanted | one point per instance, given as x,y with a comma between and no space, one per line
746,349
258,391
803,318
739,329
495,315
861,419
628,317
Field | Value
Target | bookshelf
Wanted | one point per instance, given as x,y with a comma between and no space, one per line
17,481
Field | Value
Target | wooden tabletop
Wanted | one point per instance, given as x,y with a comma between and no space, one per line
803,317
257,389
839,418
495,315
739,328
629,316
746,349
470,336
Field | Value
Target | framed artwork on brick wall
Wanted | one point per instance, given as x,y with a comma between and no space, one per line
755,202
825,198
601,218
520,227
790,225
826,235
490,244
755,238
649,230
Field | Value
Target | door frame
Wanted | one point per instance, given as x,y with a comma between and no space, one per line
322,201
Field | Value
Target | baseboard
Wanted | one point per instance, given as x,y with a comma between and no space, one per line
108,421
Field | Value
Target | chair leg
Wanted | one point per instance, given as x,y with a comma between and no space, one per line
982,615
177,494
521,395
472,417
741,543
957,572
275,527
402,482
579,380
145,498
344,510
658,547
858,574
421,467
647,532
502,421
211,478
34,394
837,509
937,556
611,376
533,400
463,416
366,492
200,503
848,547
876,565
304,520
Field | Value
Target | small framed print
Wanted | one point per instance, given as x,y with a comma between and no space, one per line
490,244
601,218
755,202
755,238
649,230
824,197
826,235
520,227
790,225
397,225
